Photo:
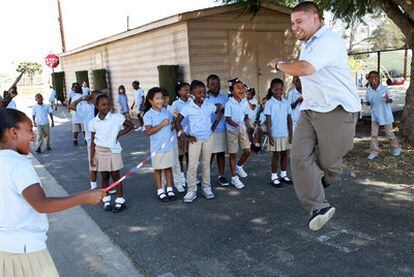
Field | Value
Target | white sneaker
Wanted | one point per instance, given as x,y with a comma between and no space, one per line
180,188
240,171
207,192
397,152
372,155
94,186
190,196
236,182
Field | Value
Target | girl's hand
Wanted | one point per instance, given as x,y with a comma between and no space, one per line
94,196
290,139
191,139
92,163
271,141
165,122
52,125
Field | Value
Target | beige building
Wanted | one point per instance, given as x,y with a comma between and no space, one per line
220,40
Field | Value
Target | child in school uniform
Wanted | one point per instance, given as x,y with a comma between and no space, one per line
77,125
219,144
85,107
379,98
279,130
122,102
178,177
183,91
158,123
23,209
52,99
261,123
253,106
200,132
40,113
105,156
138,103
237,119
295,99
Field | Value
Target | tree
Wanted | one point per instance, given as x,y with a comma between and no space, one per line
31,68
401,12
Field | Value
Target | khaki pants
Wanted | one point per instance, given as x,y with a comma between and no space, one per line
388,132
34,264
194,151
319,143
43,135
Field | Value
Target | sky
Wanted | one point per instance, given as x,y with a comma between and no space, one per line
30,28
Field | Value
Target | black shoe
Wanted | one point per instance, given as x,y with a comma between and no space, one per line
171,195
223,181
38,150
276,183
107,206
118,208
75,142
320,217
163,197
48,148
324,183
286,180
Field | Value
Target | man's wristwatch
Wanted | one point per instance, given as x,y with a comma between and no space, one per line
277,65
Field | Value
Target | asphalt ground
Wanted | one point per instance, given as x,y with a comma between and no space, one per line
257,231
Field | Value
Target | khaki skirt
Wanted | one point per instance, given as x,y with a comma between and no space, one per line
105,160
162,160
281,144
34,264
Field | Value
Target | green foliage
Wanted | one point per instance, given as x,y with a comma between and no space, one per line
30,68
386,36
168,78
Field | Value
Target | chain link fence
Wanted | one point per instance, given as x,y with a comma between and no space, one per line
394,67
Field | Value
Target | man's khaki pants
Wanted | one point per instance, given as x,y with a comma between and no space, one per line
196,149
388,132
43,134
319,143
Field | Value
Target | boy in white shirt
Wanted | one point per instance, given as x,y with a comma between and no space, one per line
138,103
40,114
295,99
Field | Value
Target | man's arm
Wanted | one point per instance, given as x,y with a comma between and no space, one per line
295,68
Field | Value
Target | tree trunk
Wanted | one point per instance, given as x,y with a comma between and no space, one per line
407,119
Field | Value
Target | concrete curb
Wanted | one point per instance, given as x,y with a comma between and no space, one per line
77,244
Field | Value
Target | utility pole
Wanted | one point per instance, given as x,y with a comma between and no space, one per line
62,32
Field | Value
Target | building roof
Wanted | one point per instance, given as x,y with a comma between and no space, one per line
181,17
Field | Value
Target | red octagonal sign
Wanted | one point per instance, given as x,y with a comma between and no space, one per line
52,60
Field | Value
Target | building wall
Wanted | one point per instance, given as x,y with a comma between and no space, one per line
234,45
134,58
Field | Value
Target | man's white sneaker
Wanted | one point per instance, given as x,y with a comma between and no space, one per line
240,171
397,152
207,192
235,181
372,155
190,196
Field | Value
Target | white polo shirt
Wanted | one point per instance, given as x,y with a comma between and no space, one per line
12,105
332,84
22,228
41,113
139,96
106,130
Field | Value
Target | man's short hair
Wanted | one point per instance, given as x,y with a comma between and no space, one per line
308,6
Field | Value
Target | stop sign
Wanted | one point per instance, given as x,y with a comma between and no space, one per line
52,60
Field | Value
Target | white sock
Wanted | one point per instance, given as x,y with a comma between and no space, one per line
274,176
106,199
120,200
169,189
159,191
241,166
283,174
257,144
93,185
234,177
